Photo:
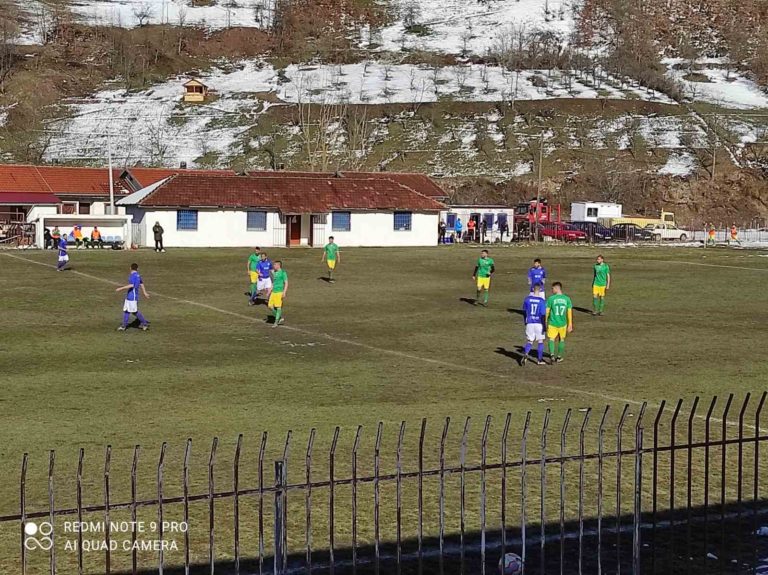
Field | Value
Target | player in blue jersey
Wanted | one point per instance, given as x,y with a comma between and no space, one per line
264,283
63,256
131,305
534,312
537,275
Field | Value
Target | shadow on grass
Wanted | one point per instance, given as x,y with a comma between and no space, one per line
326,279
582,310
721,540
469,300
515,311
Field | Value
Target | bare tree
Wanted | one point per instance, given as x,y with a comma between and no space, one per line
143,13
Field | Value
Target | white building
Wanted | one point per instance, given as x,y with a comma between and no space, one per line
284,209
592,211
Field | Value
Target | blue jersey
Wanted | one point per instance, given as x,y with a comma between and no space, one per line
135,280
264,267
535,309
62,247
537,276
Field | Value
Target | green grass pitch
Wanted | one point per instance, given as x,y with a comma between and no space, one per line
391,340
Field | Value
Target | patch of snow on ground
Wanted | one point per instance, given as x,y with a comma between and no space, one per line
681,164
125,13
374,83
155,126
738,92
450,26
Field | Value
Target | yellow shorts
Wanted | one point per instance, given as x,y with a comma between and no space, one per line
331,264
254,277
598,291
275,299
483,283
555,332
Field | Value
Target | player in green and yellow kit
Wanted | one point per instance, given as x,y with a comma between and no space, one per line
331,257
483,271
601,283
279,292
559,321
252,267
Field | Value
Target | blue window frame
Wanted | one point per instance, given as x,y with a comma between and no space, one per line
186,220
502,219
450,221
488,219
341,221
257,221
403,221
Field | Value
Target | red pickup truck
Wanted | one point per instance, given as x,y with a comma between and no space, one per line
562,232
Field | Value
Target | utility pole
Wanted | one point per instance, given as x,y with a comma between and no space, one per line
538,187
714,155
111,177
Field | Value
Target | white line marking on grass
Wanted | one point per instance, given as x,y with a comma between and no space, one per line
401,354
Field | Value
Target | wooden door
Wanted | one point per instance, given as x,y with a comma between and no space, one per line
294,230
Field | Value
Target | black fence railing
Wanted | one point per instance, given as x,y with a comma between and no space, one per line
617,492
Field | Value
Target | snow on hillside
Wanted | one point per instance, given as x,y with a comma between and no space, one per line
453,26
711,83
374,83
213,14
154,124
678,164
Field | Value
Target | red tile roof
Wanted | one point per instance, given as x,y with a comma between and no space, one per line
288,194
418,182
56,179
148,176
28,198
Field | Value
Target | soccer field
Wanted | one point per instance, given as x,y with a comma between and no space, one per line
393,339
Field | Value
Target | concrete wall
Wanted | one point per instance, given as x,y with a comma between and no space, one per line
228,228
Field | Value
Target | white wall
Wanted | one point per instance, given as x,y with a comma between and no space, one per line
36,212
376,229
215,228
220,228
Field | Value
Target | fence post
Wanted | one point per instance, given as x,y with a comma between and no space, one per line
79,499
134,493
160,467
212,507
636,563
600,449
185,492
23,509
279,526
236,500
308,500
52,553
524,487
262,449
355,447
107,529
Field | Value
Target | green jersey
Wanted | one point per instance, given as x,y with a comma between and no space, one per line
484,266
330,252
602,271
558,306
253,262
279,278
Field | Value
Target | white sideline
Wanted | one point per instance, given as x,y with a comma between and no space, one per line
401,354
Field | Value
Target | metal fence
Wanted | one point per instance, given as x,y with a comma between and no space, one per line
616,490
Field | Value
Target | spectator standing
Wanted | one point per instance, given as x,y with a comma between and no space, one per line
441,232
471,230
711,235
457,229
55,237
504,229
483,230
734,235
47,239
158,231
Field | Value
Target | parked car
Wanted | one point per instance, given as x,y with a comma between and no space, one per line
661,232
562,232
595,232
630,233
